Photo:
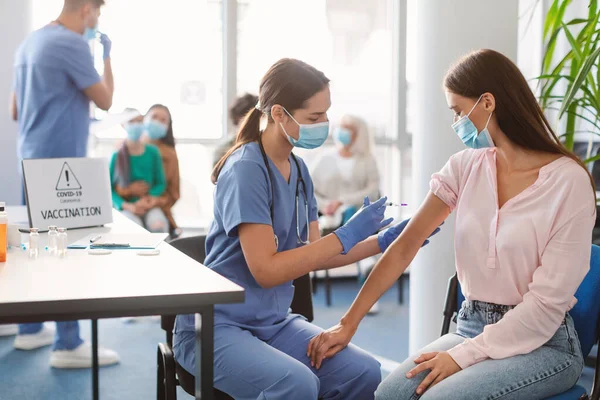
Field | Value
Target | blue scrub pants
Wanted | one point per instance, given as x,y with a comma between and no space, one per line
67,333
249,368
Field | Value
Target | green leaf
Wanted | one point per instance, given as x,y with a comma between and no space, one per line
573,43
550,18
581,77
592,159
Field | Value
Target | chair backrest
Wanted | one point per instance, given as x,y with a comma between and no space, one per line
587,310
586,313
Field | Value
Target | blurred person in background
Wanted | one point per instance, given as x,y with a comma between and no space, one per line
237,112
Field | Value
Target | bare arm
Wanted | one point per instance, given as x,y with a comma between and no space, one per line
398,257
395,260
271,268
102,92
12,106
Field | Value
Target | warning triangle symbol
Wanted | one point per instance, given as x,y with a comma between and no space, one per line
67,179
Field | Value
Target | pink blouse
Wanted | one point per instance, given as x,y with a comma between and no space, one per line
532,253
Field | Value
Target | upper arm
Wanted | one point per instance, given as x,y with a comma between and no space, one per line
13,106
428,217
258,245
78,63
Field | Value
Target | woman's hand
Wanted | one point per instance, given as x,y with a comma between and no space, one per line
328,343
441,364
134,208
138,189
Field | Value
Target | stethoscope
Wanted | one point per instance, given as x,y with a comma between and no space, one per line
299,181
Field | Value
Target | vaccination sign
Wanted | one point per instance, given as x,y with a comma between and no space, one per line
67,192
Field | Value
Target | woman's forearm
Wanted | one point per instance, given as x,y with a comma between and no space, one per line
385,273
288,265
366,248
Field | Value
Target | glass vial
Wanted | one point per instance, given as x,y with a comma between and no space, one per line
61,248
34,242
53,240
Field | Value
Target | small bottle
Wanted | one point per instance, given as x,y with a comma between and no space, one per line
52,240
34,242
61,242
3,232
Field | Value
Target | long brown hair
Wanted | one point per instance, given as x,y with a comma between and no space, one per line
288,83
517,110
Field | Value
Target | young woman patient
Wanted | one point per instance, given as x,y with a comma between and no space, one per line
525,209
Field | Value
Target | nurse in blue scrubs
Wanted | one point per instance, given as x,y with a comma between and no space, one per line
265,234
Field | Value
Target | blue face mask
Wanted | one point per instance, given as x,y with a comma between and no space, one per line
311,136
343,136
155,130
90,33
467,132
134,131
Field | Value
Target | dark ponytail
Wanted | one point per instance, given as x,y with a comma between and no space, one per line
288,83
249,132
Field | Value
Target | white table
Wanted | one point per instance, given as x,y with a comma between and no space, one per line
83,286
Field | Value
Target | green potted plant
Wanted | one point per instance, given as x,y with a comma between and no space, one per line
570,83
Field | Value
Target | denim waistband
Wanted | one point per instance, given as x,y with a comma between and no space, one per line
476,305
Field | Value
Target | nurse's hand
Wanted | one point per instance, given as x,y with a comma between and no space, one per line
367,221
387,237
106,46
328,343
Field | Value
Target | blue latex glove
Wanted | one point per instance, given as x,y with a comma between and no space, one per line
106,45
387,237
367,221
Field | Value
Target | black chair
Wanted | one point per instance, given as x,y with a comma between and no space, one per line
169,372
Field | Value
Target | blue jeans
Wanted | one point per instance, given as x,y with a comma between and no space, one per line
154,220
67,334
248,368
549,370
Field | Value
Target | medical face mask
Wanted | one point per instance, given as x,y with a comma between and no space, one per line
310,136
155,129
343,136
467,132
134,131
90,33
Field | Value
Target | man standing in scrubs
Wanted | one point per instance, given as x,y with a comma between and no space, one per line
54,82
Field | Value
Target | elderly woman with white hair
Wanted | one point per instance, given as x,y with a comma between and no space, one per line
345,176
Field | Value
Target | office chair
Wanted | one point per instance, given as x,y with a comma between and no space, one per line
586,315
169,372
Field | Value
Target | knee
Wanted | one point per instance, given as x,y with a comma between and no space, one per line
395,387
368,373
298,384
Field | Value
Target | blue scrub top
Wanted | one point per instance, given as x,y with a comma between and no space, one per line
243,195
52,68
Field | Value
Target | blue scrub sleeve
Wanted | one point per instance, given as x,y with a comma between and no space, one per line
242,196
79,64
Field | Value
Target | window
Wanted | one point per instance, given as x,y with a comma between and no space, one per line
351,41
160,55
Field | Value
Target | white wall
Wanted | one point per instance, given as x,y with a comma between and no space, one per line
446,30
15,24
